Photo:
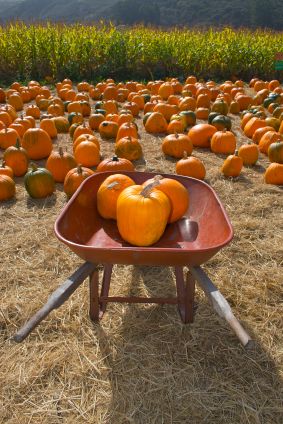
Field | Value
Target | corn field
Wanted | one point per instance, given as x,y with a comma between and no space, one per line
95,52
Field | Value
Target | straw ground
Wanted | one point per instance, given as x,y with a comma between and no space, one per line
141,365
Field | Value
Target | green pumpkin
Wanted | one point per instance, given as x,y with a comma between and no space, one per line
220,106
212,115
39,182
66,104
101,111
221,122
234,108
99,105
275,152
146,97
277,111
73,115
271,98
190,116
73,128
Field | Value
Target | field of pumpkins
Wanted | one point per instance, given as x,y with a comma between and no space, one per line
52,138
84,128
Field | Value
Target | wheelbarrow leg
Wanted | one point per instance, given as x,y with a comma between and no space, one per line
56,299
94,296
105,286
185,295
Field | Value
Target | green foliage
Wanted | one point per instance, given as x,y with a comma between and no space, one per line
96,52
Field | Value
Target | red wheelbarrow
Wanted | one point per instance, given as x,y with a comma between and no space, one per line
189,242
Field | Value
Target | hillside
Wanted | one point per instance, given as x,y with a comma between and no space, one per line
252,13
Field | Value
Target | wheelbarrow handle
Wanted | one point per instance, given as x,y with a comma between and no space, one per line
221,306
57,298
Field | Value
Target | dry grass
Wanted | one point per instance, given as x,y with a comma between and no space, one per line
141,365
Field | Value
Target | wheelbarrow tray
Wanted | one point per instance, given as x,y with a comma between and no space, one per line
191,241
195,238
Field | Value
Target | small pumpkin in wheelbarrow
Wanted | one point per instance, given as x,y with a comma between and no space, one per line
109,192
176,192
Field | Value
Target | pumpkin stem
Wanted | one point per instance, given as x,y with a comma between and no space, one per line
115,158
60,150
158,178
185,155
34,167
18,144
148,189
176,135
114,185
236,153
79,169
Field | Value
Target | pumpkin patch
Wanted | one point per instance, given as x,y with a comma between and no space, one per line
176,114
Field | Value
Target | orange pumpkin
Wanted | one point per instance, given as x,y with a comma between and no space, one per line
176,193
59,164
166,110
223,142
86,137
252,125
16,101
274,174
142,214
232,165
190,166
95,120
128,148
201,134
175,145
156,123
188,103
165,90
49,126
82,129
8,137
5,118
87,154
243,100
115,164
176,126
259,133
33,111
6,170
26,121
61,123
267,139
249,153
109,192
129,129
7,187
37,143
108,129
16,157
74,178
